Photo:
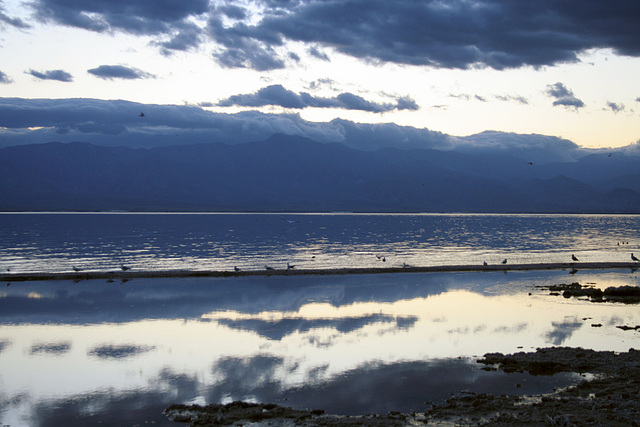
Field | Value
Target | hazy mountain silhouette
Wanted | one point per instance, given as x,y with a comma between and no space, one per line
288,173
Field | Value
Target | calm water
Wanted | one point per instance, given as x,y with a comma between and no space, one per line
102,242
117,353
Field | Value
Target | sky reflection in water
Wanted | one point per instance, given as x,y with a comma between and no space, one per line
349,344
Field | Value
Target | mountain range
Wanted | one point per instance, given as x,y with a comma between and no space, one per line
296,174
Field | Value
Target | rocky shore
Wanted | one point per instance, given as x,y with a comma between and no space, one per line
610,396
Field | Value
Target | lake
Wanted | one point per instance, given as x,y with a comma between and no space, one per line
118,352
176,241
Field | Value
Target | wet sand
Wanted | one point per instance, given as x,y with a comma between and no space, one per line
133,274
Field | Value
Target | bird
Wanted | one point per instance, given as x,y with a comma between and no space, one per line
76,269
504,261
235,268
633,258
405,265
485,263
141,114
290,267
531,163
573,257
266,267
124,267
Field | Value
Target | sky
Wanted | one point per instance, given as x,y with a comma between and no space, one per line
79,69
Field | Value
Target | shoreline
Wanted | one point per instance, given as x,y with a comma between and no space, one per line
150,274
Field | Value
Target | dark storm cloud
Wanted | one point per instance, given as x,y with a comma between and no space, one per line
4,79
243,47
454,34
563,96
616,108
278,95
110,72
167,18
59,75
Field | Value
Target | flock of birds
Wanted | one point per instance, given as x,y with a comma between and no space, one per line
405,265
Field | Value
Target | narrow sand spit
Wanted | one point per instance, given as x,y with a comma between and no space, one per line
611,398
133,274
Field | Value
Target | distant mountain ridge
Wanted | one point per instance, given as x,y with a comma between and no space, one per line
289,173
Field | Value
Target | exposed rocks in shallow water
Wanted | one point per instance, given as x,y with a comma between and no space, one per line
624,294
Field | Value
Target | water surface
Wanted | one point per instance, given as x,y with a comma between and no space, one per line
58,242
119,353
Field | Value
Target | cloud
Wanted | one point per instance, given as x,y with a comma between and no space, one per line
317,53
7,20
118,123
458,34
59,75
322,82
170,18
616,108
240,49
189,36
563,96
279,96
467,97
110,72
455,34
515,98
4,79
